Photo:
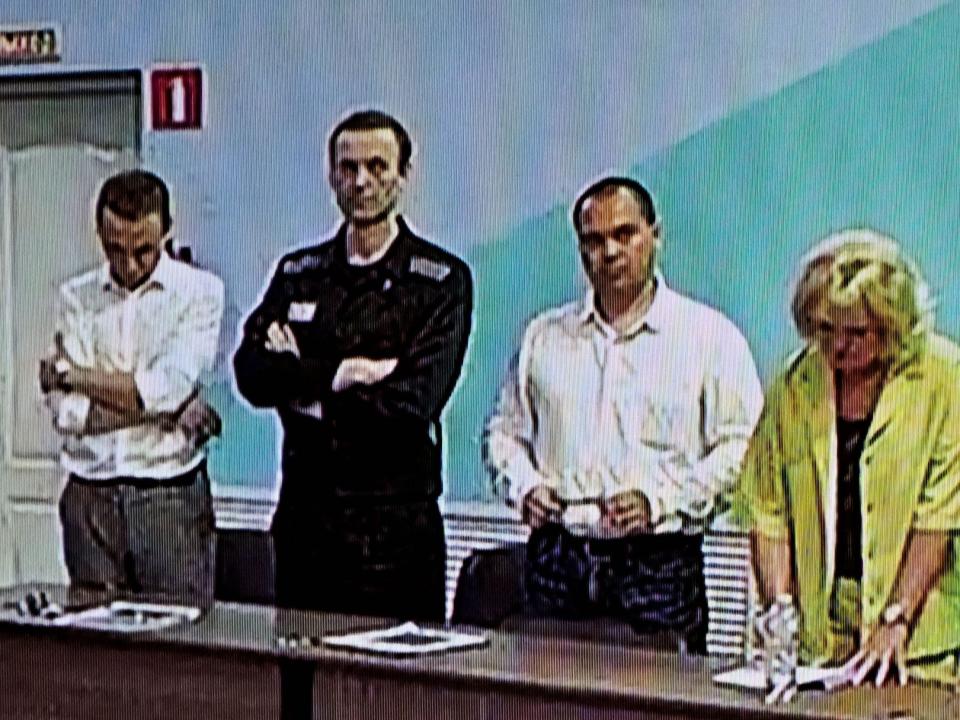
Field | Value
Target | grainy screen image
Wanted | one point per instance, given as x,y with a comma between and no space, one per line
618,341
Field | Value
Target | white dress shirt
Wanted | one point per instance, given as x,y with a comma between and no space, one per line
666,407
165,332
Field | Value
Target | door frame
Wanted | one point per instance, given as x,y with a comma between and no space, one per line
29,489
38,480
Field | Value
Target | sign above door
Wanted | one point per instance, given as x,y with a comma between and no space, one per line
22,45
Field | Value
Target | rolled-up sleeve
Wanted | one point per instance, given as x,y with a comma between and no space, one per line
69,410
759,500
938,507
167,378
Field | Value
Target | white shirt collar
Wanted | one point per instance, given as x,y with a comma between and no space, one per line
655,319
161,276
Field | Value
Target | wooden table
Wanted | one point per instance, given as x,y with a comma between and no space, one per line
225,666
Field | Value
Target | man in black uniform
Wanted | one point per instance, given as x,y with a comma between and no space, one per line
358,343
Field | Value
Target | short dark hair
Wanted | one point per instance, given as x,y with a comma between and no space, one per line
373,120
133,195
609,185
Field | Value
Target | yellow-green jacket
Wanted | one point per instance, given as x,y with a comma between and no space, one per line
910,479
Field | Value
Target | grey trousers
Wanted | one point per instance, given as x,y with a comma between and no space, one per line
135,537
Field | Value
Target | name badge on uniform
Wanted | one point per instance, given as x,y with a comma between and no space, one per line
301,311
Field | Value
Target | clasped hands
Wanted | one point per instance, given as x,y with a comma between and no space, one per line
352,371
626,513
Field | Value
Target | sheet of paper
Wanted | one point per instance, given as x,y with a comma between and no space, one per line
405,639
752,678
119,616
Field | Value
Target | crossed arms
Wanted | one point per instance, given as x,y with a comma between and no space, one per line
271,370
162,389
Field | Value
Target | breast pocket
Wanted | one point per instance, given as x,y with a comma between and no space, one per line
563,386
657,419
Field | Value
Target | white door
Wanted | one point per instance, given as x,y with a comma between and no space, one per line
47,196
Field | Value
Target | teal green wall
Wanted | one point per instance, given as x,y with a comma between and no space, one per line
873,140
870,140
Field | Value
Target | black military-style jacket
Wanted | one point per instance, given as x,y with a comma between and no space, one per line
380,440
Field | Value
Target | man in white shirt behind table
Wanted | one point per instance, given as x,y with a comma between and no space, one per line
624,419
132,340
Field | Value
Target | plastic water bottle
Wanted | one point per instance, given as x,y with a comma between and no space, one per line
778,629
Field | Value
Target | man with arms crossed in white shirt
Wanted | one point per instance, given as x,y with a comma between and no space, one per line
624,420
132,340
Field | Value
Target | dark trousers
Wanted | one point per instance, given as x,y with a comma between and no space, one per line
654,583
363,559
386,560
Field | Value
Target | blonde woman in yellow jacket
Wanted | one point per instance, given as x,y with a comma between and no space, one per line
851,485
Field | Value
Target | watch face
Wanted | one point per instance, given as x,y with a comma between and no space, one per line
893,614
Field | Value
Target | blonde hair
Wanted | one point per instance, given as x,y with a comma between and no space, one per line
863,268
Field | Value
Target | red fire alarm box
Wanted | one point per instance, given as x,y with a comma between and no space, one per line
177,98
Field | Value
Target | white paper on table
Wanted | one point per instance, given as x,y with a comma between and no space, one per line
753,678
406,639
132,617
119,616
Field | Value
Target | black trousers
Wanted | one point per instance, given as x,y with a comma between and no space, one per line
361,558
654,583
378,559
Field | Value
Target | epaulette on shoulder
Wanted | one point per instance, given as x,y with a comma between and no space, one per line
429,268
302,262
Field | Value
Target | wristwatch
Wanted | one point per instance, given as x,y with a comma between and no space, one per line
894,614
62,367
